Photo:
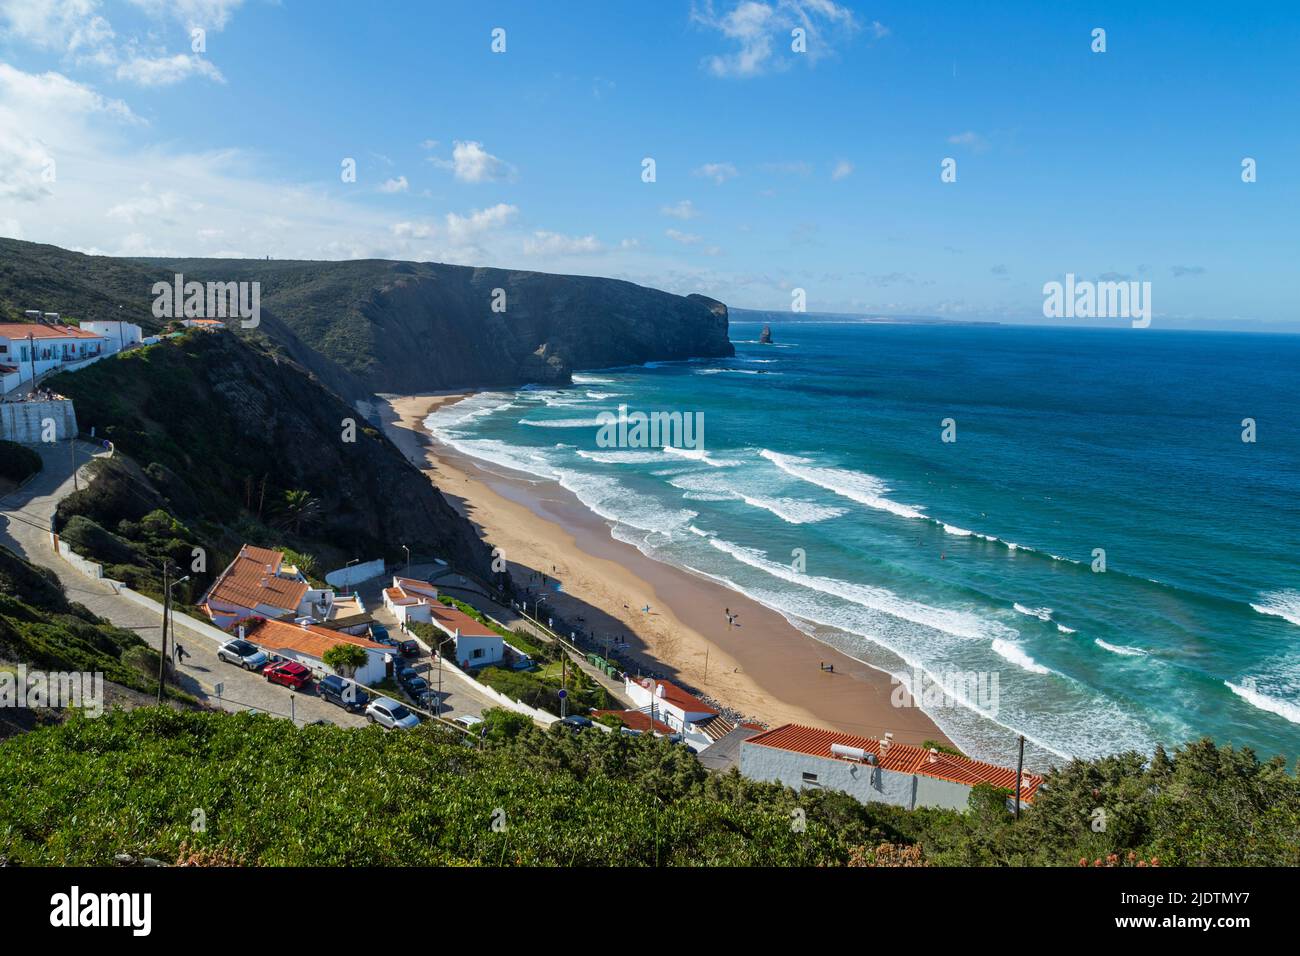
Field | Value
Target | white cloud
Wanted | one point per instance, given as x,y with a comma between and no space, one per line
554,244
685,238
718,172
72,27
167,70
398,185
843,170
76,30
969,139
761,32
471,163
682,210
209,14
466,228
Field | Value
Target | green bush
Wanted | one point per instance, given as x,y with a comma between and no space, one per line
18,462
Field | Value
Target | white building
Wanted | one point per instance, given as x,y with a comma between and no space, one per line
259,584
698,723
476,645
30,349
117,336
307,644
872,770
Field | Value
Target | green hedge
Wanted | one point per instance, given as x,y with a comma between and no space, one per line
18,462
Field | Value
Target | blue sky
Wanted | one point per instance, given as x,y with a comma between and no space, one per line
775,170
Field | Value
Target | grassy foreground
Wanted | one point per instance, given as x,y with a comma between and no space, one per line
272,794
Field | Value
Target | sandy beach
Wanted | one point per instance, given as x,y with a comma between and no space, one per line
763,667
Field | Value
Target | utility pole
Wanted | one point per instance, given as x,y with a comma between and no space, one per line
72,451
564,680
31,355
1020,766
162,651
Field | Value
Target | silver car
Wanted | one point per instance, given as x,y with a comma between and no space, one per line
241,652
388,713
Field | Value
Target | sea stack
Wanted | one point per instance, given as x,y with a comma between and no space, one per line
765,337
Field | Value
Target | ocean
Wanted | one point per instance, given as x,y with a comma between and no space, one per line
825,490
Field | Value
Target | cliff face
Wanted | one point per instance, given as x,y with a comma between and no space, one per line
410,327
380,326
221,431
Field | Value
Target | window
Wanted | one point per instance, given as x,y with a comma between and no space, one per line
478,652
809,777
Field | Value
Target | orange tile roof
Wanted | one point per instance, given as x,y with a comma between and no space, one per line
20,330
248,584
635,720
676,696
414,584
453,619
903,758
304,638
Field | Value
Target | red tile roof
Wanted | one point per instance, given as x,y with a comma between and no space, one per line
20,330
676,696
304,638
635,720
903,758
452,619
247,583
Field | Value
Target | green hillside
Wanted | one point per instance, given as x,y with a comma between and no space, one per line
219,443
322,795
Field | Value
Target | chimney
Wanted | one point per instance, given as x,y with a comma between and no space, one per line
934,755
262,583
887,742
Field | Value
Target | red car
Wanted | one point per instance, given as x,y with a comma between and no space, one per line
289,673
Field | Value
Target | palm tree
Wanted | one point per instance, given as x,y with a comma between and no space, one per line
296,507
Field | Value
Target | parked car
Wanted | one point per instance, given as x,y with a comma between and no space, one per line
289,673
342,693
404,672
575,722
468,721
245,654
408,648
417,687
388,713
378,633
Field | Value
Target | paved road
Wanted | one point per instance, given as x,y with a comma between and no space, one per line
25,517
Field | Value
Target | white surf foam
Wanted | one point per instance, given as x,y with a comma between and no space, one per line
561,422
1117,649
1016,655
1042,613
856,486
1283,604
1248,691
621,457
956,623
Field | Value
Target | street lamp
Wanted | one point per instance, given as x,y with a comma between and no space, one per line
408,559
437,649
167,613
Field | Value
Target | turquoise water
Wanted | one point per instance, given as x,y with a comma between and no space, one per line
976,556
